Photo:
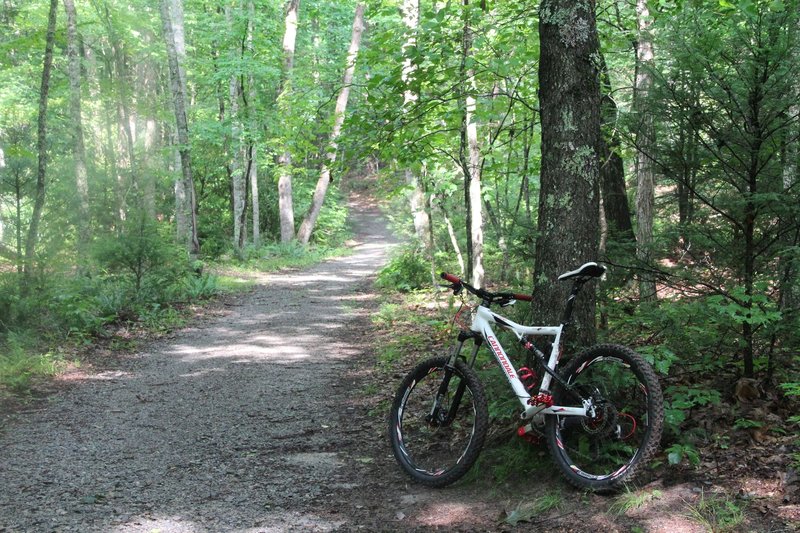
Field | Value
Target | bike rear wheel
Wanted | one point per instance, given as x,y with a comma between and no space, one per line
603,452
438,421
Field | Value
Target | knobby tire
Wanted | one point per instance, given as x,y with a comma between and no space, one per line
438,454
604,453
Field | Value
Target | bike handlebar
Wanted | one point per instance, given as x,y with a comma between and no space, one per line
482,293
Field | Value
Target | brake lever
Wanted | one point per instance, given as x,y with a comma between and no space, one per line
455,287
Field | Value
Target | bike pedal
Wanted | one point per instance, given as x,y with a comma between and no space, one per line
526,433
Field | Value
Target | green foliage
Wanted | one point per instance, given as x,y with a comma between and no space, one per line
792,388
679,400
746,423
142,252
407,270
678,452
200,287
19,367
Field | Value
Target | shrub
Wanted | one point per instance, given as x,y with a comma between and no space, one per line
407,270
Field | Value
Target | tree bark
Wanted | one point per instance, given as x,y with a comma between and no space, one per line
470,157
253,146
569,197
41,147
78,147
645,145
616,211
307,226
285,199
416,197
173,37
238,165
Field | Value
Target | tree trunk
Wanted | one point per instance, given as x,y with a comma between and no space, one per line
569,93
451,232
416,197
172,21
304,233
117,64
78,148
285,200
238,166
41,147
253,146
645,145
470,158
616,212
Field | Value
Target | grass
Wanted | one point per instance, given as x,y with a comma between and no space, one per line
19,367
717,513
633,499
528,511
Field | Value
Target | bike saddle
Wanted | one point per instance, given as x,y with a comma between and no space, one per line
587,270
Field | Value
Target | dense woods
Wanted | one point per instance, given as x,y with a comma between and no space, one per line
141,141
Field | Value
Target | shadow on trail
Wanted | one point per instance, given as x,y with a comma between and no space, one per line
228,426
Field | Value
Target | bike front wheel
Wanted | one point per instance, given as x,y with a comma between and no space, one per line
438,421
603,451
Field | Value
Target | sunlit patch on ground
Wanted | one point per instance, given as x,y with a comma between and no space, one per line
447,515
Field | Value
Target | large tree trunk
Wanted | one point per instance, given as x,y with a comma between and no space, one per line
569,198
285,205
304,233
78,148
41,147
645,145
172,21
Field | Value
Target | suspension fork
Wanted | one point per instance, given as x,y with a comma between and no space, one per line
448,374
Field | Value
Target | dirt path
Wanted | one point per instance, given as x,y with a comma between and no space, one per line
237,424
269,417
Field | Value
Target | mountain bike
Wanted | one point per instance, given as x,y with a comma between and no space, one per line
601,415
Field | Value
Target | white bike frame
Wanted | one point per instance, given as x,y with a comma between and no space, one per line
482,324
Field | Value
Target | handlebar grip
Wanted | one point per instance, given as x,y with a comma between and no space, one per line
451,278
523,297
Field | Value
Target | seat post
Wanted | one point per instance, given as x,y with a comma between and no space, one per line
576,288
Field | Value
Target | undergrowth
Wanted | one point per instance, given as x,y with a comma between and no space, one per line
136,282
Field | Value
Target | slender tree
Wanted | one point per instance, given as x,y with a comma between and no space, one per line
614,195
238,165
252,148
41,146
307,226
78,147
470,156
416,197
285,199
569,93
173,37
645,147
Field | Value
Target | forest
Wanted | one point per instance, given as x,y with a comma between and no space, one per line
145,146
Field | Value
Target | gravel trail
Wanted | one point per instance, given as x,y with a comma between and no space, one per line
239,423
